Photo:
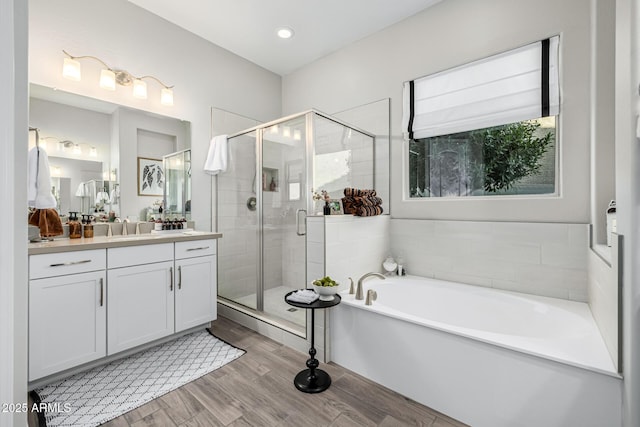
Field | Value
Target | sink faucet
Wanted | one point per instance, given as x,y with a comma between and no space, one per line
359,289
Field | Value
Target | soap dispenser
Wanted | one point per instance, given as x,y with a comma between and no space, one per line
75,228
88,227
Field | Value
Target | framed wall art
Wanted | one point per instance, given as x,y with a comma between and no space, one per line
150,177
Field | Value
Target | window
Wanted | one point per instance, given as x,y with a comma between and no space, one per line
517,158
487,127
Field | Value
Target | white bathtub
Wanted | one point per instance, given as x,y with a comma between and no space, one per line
485,357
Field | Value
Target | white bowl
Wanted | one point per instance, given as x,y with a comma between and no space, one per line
326,292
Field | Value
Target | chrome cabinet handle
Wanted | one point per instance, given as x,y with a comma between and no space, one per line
197,249
84,261
298,221
179,277
101,292
171,278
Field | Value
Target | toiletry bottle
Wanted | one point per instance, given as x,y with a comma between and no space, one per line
272,186
158,225
326,208
88,229
75,228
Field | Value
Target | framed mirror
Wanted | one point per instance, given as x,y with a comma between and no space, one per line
177,184
94,147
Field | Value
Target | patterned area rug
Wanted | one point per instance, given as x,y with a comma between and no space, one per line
103,393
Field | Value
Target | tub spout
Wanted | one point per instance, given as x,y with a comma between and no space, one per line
359,294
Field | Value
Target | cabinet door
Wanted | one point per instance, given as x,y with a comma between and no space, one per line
67,322
139,304
195,291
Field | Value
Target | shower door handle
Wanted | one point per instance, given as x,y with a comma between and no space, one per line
298,221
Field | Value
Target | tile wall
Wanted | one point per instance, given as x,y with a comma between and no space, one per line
343,246
537,258
603,295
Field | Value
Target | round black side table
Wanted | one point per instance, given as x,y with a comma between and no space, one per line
313,380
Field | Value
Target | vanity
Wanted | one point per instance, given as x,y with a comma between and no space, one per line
93,300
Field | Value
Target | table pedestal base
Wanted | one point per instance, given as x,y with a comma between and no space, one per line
305,383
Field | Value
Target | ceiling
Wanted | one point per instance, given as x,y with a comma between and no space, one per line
248,27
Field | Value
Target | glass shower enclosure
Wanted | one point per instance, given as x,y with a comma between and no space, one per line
263,199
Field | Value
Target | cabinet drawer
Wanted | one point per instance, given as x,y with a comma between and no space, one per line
138,255
60,264
195,248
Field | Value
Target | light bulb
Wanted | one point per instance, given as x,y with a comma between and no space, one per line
77,149
166,96
297,135
71,69
108,80
286,131
274,129
139,89
93,152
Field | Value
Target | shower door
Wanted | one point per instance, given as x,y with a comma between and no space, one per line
237,217
284,204
261,207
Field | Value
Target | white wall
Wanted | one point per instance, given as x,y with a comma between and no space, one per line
129,37
451,33
13,188
627,196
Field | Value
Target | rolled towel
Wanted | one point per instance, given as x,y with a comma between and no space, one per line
369,210
355,192
305,296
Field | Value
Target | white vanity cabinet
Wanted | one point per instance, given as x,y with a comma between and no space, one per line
67,310
90,300
140,298
195,290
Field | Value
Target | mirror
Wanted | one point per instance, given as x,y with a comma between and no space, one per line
95,147
177,184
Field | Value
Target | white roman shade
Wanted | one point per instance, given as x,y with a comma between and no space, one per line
517,85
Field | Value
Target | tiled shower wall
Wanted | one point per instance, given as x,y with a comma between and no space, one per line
604,294
536,258
343,246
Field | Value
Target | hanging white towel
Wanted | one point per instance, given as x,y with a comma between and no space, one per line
81,191
39,180
115,195
217,156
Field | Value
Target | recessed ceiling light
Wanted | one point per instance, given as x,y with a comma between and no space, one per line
284,32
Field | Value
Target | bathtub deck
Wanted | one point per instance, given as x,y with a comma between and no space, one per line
257,389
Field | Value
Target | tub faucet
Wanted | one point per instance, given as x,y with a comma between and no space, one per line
371,296
359,289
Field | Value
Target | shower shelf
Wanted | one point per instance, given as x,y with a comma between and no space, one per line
269,177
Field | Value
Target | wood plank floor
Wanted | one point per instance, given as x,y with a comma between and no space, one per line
257,390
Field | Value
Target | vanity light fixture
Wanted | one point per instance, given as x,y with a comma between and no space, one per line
93,152
110,76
